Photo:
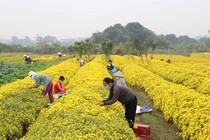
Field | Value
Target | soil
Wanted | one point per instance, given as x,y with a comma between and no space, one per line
160,129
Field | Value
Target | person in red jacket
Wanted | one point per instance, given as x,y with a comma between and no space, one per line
58,86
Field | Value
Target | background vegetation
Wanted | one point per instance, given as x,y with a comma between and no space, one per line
132,38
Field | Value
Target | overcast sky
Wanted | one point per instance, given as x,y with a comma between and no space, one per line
81,18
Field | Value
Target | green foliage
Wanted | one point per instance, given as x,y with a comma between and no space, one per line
137,48
11,72
138,32
85,47
181,39
79,47
119,34
106,47
132,32
14,48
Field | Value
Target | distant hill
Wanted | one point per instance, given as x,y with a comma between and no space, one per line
70,41
135,31
28,42
120,34
202,36
181,39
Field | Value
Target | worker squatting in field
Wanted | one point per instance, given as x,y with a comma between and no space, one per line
58,88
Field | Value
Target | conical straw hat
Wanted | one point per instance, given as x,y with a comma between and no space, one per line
118,74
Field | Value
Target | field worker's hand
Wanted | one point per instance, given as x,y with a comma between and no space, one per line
43,92
101,103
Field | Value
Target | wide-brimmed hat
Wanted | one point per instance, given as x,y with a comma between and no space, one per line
118,74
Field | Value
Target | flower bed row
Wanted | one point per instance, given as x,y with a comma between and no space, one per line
20,106
179,75
188,109
77,115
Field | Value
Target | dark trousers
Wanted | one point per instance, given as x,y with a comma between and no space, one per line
130,112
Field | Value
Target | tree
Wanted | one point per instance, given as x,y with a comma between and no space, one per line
149,46
51,49
139,47
128,48
138,32
98,37
82,48
50,39
172,38
119,50
56,45
88,48
120,34
27,41
106,47
152,44
79,48
116,33
15,40
42,44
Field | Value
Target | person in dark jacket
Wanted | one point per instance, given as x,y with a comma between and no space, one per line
110,66
27,59
122,94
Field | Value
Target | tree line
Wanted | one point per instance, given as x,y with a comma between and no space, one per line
119,34
130,39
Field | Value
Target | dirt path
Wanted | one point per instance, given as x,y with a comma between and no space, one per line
160,129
